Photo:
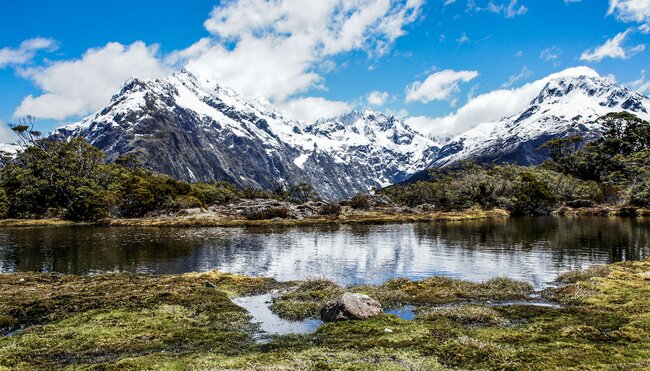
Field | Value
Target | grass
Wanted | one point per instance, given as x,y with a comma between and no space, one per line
211,220
37,223
306,299
122,321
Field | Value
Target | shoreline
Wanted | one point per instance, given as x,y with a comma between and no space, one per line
366,217
211,220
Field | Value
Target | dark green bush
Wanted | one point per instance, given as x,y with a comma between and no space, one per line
269,213
531,197
359,202
87,205
330,209
215,193
639,193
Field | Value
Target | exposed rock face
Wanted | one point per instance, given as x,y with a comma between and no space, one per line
196,130
350,307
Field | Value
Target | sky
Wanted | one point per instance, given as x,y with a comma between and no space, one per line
442,65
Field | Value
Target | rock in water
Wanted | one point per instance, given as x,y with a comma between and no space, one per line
350,307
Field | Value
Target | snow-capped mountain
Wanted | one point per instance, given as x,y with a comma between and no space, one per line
194,129
568,105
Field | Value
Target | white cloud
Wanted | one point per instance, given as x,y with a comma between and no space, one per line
509,9
613,48
263,48
26,51
377,98
310,109
550,54
273,48
438,86
81,86
490,106
641,85
631,11
463,38
523,74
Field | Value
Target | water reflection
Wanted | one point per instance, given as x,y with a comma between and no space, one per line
269,322
533,249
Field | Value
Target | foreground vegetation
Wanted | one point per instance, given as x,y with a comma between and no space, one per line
119,321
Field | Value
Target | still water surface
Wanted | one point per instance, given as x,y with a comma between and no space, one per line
531,249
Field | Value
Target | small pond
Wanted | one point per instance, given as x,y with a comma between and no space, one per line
531,249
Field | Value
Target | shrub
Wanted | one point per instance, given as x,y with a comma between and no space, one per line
4,204
301,193
360,202
639,193
184,202
87,205
268,213
256,192
531,196
330,209
215,193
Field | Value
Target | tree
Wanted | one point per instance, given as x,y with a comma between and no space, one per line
301,193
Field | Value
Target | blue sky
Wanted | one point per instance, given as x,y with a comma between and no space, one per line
414,58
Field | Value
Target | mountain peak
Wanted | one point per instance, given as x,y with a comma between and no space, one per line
570,103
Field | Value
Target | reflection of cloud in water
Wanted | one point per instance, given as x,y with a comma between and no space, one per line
534,249
269,322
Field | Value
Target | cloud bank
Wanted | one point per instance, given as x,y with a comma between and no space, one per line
490,106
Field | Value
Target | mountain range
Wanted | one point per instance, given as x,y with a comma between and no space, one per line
196,130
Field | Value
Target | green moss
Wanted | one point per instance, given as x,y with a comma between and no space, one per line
42,298
305,300
442,290
464,314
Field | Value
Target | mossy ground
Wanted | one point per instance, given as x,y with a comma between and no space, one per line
122,321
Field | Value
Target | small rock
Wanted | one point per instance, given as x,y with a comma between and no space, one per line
350,307
209,285
21,280
388,330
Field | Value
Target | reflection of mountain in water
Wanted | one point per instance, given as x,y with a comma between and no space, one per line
533,249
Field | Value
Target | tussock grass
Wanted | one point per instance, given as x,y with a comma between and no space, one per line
306,299
464,314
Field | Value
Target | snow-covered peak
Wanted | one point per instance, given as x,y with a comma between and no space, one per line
569,104
601,89
222,135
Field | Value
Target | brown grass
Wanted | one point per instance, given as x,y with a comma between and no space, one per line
369,217
366,217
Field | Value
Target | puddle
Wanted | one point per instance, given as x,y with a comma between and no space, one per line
406,312
14,332
270,323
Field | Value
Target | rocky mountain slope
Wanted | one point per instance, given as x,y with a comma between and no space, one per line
566,106
196,130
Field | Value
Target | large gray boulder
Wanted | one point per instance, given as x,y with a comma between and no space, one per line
350,307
